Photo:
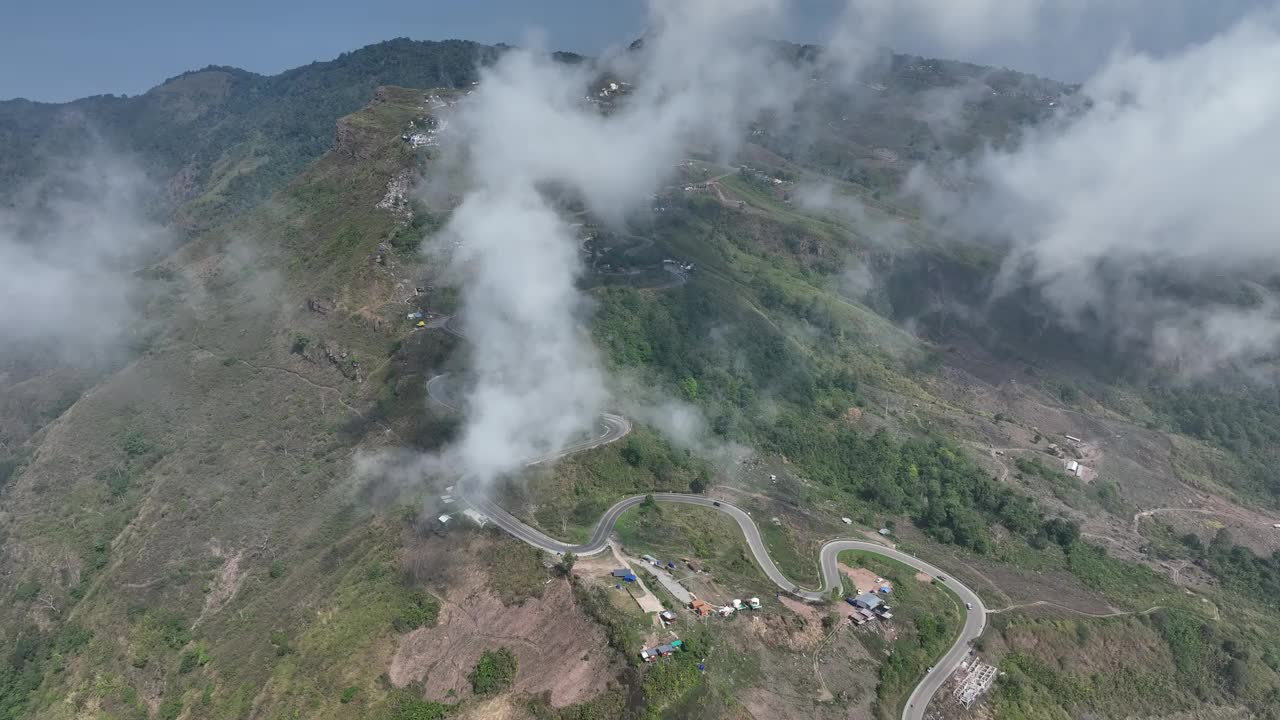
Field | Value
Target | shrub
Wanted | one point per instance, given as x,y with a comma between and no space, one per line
348,694
281,642
171,709
494,673
404,706
26,591
194,658
135,444
417,609
116,479
173,631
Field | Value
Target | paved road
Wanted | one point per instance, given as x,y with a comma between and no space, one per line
615,427
975,619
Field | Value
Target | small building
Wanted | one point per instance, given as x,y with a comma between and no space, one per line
651,654
701,608
725,611
667,616
1072,467
846,521
693,566
1073,439
651,560
754,603
868,601
624,574
737,604
444,519
885,531
476,517
415,315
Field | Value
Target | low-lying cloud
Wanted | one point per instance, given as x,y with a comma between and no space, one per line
1166,174
69,251
699,79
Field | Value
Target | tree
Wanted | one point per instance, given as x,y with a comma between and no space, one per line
566,563
699,483
632,454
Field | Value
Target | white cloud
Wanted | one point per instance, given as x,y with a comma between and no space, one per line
1167,171
699,79
69,250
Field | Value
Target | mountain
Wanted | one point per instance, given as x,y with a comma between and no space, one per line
221,139
232,518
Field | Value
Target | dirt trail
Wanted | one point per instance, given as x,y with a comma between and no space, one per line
824,695
1114,612
1148,513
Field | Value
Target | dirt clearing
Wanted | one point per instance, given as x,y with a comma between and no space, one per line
864,581
473,619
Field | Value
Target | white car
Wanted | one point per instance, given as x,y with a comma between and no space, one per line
968,606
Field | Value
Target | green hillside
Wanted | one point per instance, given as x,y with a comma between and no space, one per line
222,135
221,525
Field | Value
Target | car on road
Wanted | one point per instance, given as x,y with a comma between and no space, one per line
930,669
942,578
968,606
716,503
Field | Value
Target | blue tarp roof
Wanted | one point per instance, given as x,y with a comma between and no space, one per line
867,600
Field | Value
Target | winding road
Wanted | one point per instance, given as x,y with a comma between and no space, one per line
613,428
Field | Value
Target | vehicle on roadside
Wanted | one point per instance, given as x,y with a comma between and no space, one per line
968,606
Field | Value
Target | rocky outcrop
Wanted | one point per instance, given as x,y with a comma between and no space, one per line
321,306
396,199
345,361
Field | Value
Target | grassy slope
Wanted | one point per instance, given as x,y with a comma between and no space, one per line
224,138
205,505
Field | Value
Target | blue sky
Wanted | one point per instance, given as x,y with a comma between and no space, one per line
63,49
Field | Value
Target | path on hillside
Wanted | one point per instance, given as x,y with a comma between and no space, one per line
1137,517
1113,612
